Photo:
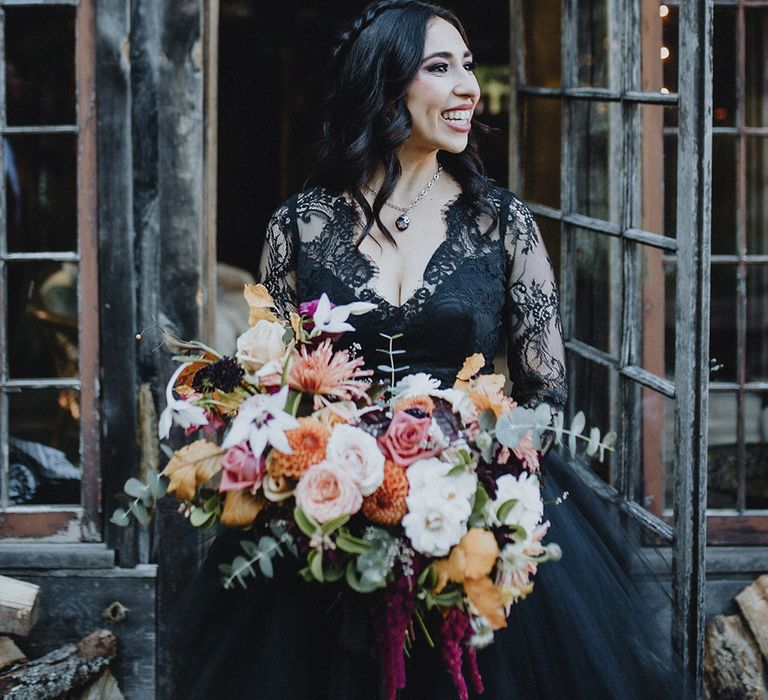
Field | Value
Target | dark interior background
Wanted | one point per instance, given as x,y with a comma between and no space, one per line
271,60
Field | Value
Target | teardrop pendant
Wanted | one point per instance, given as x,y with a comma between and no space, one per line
403,222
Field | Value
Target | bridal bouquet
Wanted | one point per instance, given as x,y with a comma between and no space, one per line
426,498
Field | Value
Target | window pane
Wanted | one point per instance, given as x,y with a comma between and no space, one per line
722,338
592,42
670,182
650,35
42,320
593,388
44,428
724,195
659,170
723,470
756,437
757,324
596,130
756,50
724,60
542,125
40,65
670,40
658,312
597,297
542,58
41,193
757,194
657,421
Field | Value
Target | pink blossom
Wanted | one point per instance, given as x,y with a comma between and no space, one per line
325,492
241,469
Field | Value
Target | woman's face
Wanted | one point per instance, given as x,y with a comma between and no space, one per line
444,93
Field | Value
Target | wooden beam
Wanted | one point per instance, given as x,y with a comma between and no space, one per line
19,606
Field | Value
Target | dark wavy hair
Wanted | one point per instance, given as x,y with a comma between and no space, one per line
366,119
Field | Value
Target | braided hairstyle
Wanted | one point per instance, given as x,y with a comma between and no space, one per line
366,119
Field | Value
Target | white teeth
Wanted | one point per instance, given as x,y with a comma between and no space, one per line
457,115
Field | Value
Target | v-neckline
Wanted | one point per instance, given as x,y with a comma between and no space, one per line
376,271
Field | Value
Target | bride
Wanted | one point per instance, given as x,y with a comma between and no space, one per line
401,215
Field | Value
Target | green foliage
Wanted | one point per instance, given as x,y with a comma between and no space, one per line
138,500
262,553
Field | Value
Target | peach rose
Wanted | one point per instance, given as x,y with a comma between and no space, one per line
325,492
241,469
403,441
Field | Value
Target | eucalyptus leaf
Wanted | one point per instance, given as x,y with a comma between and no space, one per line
140,513
266,568
610,439
557,423
578,423
135,488
120,518
572,444
487,420
157,486
250,548
167,451
594,442
512,427
267,544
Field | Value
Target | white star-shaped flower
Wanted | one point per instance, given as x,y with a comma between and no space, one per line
183,413
262,420
334,320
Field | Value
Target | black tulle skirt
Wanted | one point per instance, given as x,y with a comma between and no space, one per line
585,632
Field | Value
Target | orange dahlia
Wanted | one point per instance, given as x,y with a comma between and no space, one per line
422,403
308,443
386,505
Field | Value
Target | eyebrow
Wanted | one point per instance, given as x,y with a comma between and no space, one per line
445,54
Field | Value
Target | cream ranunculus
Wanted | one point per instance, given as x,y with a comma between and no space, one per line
431,523
528,509
358,454
260,344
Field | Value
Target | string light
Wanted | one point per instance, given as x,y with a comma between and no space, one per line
665,91
663,10
664,52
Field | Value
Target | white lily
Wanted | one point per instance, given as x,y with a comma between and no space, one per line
262,420
334,320
183,413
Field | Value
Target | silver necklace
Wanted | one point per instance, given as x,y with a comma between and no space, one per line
404,221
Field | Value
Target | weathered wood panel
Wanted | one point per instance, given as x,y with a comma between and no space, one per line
116,264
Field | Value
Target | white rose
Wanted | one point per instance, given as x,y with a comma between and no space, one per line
528,510
461,404
431,524
260,344
358,454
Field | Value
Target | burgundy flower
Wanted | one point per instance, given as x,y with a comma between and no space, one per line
241,469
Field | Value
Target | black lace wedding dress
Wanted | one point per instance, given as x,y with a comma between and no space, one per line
583,633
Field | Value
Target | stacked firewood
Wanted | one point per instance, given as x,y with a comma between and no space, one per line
79,670
736,648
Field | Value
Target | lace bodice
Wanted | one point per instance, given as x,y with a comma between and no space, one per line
477,286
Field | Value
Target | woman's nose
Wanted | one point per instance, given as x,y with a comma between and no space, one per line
468,87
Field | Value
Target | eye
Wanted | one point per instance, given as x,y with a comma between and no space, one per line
469,66
438,68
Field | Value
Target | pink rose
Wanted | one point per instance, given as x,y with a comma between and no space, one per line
241,469
405,437
325,492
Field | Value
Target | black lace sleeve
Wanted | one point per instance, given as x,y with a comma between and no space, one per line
277,268
535,352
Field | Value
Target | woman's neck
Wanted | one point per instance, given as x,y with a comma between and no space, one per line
416,172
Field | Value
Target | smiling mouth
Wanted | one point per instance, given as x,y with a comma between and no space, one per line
459,117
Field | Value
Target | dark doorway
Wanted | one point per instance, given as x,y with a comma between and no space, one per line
271,61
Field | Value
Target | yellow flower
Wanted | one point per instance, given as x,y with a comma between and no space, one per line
472,365
260,302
